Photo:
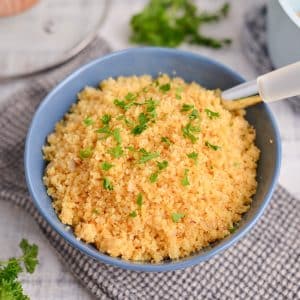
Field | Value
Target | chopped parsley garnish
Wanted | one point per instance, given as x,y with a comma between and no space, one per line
151,106
130,97
233,229
130,148
122,104
133,214
95,211
107,184
139,200
146,156
128,122
153,177
189,130
117,136
143,120
165,87
193,156
106,166
120,117
211,114
116,152
179,90
162,165
211,146
105,129
176,217
166,140
186,107
85,153
194,114
106,119
169,23
88,121
185,179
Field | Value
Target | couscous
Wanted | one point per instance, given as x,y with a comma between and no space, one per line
150,169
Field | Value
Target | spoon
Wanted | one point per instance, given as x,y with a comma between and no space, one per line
276,85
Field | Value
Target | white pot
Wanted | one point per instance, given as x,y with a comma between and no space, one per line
283,31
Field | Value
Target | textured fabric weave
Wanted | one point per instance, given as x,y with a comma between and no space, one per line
255,45
263,265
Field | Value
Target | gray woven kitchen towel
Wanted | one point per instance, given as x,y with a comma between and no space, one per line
254,41
263,265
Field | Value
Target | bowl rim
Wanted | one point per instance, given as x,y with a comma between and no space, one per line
130,265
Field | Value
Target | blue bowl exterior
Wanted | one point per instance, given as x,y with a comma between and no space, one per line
139,61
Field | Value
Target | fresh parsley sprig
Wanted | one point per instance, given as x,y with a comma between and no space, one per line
10,286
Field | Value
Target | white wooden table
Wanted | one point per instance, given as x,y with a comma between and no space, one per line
52,280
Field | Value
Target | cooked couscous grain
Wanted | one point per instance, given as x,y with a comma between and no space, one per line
151,169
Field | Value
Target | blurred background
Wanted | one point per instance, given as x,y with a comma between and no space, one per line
37,36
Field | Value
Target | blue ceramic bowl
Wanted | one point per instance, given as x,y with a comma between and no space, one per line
139,61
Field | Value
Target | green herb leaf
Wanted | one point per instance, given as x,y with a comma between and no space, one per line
153,177
133,214
162,165
116,152
186,107
138,129
130,97
106,119
143,120
146,156
189,130
151,107
117,136
128,122
179,90
88,121
165,87
30,253
194,115
95,211
211,146
233,229
193,156
122,104
85,153
105,129
176,217
10,287
130,148
211,114
171,22
185,179
107,184
166,140
139,200
106,166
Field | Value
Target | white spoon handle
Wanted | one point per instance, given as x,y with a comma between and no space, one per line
280,84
